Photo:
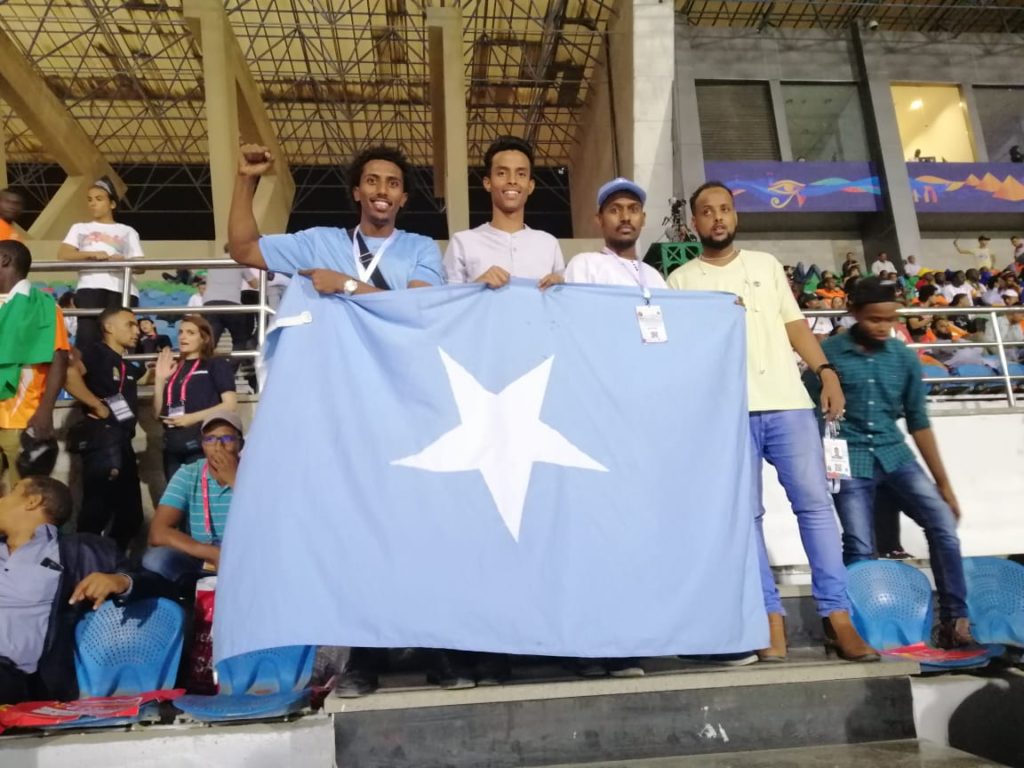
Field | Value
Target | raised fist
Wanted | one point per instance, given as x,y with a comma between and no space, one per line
254,160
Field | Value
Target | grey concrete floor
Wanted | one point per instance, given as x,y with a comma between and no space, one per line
890,754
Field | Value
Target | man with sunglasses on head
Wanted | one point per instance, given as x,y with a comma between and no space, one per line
200,495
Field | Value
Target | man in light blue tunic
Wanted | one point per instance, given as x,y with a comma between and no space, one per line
373,256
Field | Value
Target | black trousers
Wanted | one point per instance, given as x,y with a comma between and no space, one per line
114,502
14,684
95,298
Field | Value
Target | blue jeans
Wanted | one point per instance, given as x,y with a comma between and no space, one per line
790,442
172,563
921,501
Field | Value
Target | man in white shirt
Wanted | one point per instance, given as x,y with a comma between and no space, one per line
982,255
882,264
505,247
957,285
911,268
783,428
620,215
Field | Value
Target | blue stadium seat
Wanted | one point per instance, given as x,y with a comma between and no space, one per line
892,608
995,599
980,387
892,603
257,685
121,650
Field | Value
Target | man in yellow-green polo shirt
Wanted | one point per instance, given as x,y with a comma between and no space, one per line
783,427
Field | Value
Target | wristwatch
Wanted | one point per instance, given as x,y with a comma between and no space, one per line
825,366
350,287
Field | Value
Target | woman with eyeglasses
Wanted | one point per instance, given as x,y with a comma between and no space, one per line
189,390
188,524
100,239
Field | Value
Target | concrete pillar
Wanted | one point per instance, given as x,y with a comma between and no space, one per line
3,158
448,106
895,230
974,122
781,126
653,56
604,147
208,18
689,158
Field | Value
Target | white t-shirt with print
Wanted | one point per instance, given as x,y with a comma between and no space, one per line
119,241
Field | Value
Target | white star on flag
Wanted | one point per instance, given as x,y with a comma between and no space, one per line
502,436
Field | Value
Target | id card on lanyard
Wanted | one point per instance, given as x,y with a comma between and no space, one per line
117,403
648,316
366,272
178,409
837,456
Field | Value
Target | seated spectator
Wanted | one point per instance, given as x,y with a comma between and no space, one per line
964,323
844,323
197,298
11,205
67,301
39,571
829,289
149,341
911,268
850,263
956,286
197,498
882,264
1011,328
821,327
974,283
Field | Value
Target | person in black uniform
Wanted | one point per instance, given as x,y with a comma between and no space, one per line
106,385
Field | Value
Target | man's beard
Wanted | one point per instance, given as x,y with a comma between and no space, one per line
717,244
622,245
866,341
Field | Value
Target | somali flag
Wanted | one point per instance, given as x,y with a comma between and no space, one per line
509,471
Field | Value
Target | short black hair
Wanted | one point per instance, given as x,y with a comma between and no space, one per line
110,312
379,152
19,254
703,188
55,495
925,292
872,290
507,144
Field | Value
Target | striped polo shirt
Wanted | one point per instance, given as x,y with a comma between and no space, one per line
185,492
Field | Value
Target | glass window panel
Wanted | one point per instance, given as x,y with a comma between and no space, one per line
1001,113
825,122
933,123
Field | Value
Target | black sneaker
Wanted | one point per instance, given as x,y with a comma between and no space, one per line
450,672
624,667
722,659
355,683
586,667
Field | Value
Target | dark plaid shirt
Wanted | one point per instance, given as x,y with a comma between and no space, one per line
881,387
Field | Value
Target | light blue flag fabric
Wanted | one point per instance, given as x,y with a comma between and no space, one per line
510,471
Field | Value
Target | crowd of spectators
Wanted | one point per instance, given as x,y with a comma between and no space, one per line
918,286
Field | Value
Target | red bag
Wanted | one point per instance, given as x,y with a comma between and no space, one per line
200,664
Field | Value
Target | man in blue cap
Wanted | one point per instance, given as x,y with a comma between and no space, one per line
621,217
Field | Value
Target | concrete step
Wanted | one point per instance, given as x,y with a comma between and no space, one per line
674,710
891,754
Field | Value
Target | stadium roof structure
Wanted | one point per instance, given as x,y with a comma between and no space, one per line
931,16
334,76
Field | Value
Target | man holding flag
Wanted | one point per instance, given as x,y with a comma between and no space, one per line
33,357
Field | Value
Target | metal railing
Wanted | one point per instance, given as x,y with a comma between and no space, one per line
263,311
991,314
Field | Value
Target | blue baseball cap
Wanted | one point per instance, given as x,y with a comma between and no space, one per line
620,185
